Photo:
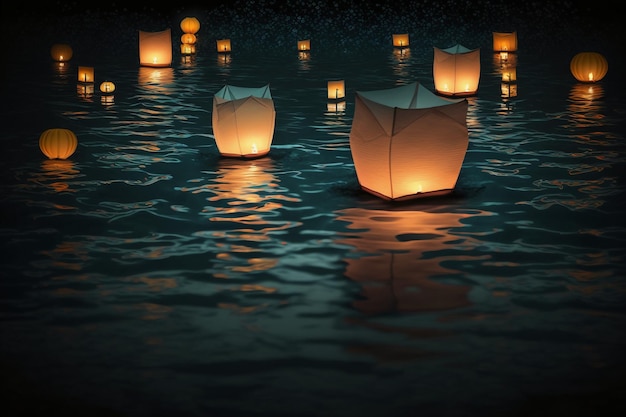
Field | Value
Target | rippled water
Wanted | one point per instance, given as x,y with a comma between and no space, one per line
147,275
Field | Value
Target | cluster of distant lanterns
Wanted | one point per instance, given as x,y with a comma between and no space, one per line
406,142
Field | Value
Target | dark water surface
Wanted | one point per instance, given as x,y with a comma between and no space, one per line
147,275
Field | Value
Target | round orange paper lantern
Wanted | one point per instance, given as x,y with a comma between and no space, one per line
58,143
61,52
189,38
589,66
107,87
190,25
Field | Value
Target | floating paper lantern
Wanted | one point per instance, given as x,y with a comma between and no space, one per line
155,48
504,41
304,45
336,89
243,121
188,38
187,48
223,45
58,143
61,52
85,74
456,70
107,87
408,142
589,66
190,25
400,40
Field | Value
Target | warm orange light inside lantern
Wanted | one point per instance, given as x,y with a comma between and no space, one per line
336,106
509,75
336,89
223,45
190,25
58,143
155,48
401,39
187,48
61,52
188,38
589,66
107,87
85,74
505,41
304,45
456,70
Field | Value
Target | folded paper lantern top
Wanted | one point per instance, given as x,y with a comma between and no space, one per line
408,142
456,70
243,120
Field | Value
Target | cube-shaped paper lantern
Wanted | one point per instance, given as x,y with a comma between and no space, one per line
243,121
589,66
85,74
61,52
155,48
456,70
223,45
304,45
400,40
336,89
505,41
407,142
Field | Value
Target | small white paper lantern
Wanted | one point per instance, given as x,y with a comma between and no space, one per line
243,121
456,70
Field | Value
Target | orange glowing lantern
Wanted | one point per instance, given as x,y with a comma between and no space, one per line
61,52
400,40
509,75
190,25
589,66
223,45
304,45
456,70
408,142
85,74
243,121
58,143
336,89
187,48
505,41
107,87
155,48
188,38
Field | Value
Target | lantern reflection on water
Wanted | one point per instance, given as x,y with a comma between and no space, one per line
390,262
57,173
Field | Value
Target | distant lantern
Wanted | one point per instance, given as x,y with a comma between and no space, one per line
401,40
456,70
589,66
187,48
407,142
61,52
86,74
336,89
223,45
58,143
505,41
190,25
155,48
243,121
107,87
188,38
304,45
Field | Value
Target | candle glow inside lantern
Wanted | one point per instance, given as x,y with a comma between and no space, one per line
107,87
243,121
188,38
509,75
85,74
58,143
155,48
400,40
61,52
304,45
336,89
456,70
190,24
407,142
223,45
505,42
589,67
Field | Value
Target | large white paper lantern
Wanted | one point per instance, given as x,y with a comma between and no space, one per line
456,70
407,142
243,121
155,48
